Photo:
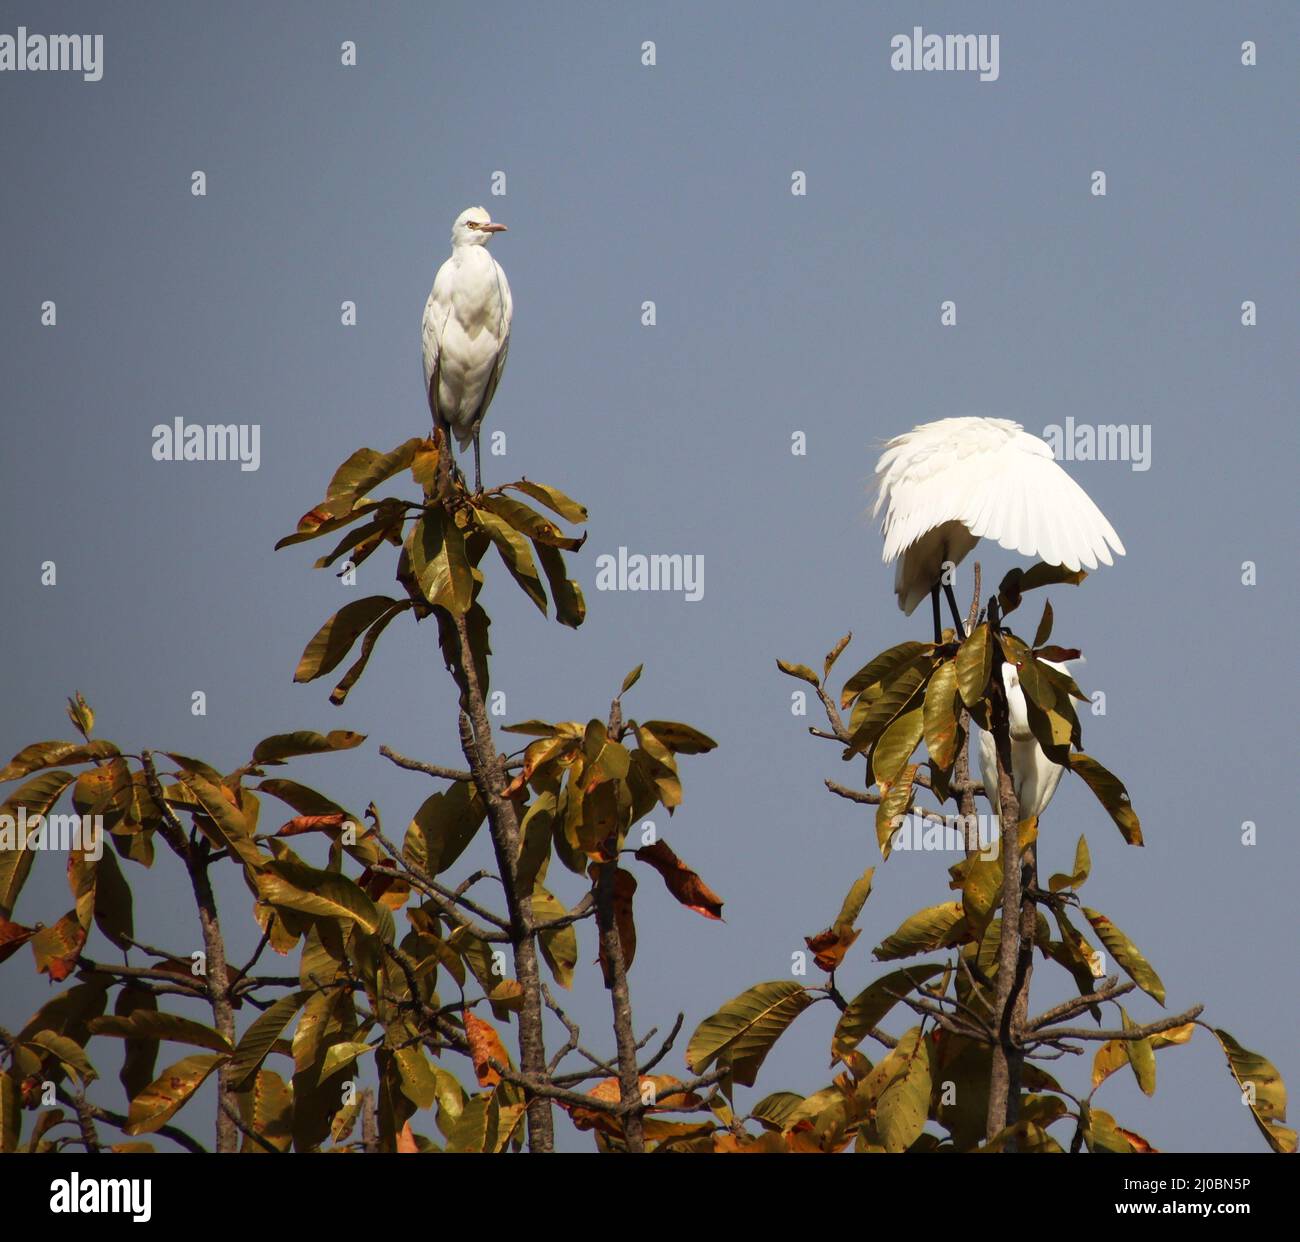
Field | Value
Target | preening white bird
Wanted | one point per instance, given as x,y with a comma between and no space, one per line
466,332
1033,774
948,484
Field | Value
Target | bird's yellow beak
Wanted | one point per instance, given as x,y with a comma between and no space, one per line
492,228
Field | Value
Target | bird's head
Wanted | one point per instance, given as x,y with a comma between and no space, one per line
474,227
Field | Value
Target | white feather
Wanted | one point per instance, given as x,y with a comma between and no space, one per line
1033,774
466,328
946,485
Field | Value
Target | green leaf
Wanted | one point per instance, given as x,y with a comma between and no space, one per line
436,547
974,665
896,744
980,881
11,1114
680,738
881,670
1101,1132
744,1030
605,759
230,823
554,499
339,1056
1123,950
114,909
367,468
1262,1090
870,1006
1111,793
140,1055
900,695
159,1102
50,754
257,1042
1141,1056
777,1110
353,675
419,1082
631,679
83,719
856,899
283,746
66,1051
1044,631
334,639
390,515
936,927
1018,581
266,1108
893,806
941,716
1052,731
325,894
559,945
37,796
155,1024
535,831
515,555
531,728
1082,869
570,607
834,654
801,671
527,521
325,518
444,826
904,1104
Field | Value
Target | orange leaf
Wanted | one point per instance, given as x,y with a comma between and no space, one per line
682,882
609,1091
12,937
57,948
1139,1143
311,823
830,946
770,1143
406,1140
384,885
624,888
485,1046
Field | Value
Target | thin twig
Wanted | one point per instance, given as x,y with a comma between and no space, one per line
429,769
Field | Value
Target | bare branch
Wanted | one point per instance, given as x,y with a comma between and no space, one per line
429,769
1077,1004
1054,1033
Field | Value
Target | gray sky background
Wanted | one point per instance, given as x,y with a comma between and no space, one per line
775,314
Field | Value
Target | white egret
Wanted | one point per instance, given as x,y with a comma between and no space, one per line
950,483
466,332
1033,774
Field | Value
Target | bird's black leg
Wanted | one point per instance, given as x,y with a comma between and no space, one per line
934,601
454,470
952,603
478,478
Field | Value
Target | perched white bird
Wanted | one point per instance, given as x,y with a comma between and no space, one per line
951,483
466,331
1033,774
